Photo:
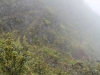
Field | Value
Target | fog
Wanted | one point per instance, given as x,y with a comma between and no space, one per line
94,4
58,37
71,19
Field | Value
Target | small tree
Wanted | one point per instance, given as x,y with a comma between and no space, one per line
12,58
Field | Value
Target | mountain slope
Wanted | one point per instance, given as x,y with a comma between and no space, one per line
66,25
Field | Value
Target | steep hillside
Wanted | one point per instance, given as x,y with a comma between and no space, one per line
66,25
62,37
82,24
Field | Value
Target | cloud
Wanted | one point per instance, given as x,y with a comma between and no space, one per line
94,4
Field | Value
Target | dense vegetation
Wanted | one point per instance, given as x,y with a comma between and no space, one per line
12,58
46,38
15,60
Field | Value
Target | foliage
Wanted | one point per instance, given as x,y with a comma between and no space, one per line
44,61
46,22
53,42
12,58
0,42
40,67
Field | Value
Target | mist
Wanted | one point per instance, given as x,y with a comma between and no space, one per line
94,4
50,37
76,18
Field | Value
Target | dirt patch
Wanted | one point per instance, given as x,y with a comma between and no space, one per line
79,54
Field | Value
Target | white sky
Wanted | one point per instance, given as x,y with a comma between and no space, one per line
94,4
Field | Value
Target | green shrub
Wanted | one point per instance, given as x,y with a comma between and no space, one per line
12,58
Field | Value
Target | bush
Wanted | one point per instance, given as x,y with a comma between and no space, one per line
12,58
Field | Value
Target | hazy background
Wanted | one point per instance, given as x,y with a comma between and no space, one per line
94,4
